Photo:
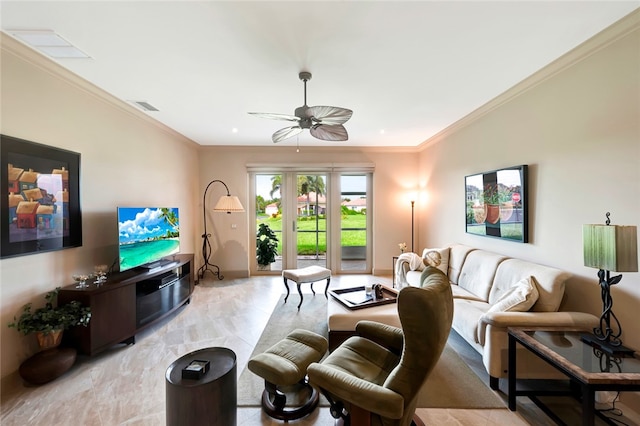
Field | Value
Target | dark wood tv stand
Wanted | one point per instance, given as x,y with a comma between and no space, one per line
129,302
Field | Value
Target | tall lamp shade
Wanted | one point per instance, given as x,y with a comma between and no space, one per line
226,204
609,248
229,204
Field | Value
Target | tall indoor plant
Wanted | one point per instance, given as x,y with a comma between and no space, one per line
266,246
50,321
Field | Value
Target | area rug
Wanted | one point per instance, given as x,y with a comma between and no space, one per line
452,384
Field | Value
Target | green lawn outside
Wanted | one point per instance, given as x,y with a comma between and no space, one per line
307,240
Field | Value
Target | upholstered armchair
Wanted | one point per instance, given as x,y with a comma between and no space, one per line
374,378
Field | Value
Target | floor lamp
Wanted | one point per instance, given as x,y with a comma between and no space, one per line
227,203
412,204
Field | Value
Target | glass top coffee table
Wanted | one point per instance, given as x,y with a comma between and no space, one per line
589,369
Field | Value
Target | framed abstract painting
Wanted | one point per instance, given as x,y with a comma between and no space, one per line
40,204
496,204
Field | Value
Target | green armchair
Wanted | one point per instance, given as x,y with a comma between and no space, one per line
374,378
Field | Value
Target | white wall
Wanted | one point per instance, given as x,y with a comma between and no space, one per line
126,159
579,132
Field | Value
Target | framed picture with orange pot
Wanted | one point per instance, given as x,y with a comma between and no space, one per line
496,204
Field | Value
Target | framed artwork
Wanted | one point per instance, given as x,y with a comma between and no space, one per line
40,204
496,204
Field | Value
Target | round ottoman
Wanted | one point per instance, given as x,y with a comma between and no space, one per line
285,364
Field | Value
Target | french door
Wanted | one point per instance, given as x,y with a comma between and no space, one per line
319,217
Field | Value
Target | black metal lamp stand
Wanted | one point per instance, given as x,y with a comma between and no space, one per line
607,336
232,205
412,204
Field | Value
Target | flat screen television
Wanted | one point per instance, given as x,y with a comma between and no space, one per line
146,236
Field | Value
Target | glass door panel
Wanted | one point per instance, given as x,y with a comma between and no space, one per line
354,221
311,220
269,211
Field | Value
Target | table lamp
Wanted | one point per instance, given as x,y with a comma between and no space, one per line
609,248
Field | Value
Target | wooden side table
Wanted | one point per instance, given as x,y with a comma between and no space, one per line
209,400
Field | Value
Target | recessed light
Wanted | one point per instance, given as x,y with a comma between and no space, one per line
382,131
234,130
49,43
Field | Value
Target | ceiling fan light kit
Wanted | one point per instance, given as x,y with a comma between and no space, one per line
324,122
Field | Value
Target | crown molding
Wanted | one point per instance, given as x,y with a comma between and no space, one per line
27,54
608,36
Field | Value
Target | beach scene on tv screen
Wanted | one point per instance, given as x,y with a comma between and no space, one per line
147,235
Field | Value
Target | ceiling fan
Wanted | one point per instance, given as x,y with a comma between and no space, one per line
323,122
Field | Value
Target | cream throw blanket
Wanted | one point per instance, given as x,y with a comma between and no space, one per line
415,263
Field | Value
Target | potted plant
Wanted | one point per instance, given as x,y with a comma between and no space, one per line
491,200
49,322
266,246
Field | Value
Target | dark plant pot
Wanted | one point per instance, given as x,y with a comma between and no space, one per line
47,365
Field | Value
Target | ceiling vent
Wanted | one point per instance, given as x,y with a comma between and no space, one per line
49,43
145,106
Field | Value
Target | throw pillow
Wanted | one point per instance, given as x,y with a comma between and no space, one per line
519,298
444,258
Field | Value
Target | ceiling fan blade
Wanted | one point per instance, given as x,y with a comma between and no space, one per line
274,116
329,114
329,132
286,133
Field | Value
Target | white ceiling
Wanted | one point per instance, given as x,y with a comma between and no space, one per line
407,69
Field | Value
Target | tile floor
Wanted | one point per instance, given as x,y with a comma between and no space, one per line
126,386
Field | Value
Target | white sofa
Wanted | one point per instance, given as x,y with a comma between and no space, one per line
484,284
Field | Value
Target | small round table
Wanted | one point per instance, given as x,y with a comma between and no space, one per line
208,400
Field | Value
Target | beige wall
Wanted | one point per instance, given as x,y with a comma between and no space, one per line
394,179
579,132
125,160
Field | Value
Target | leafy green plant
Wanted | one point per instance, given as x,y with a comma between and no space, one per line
49,318
491,195
496,194
266,245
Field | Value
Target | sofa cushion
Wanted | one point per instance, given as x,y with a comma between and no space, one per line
467,314
519,298
457,254
478,272
444,258
460,293
550,283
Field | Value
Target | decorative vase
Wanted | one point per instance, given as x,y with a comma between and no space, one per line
49,340
264,267
493,213
480,213
506,211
